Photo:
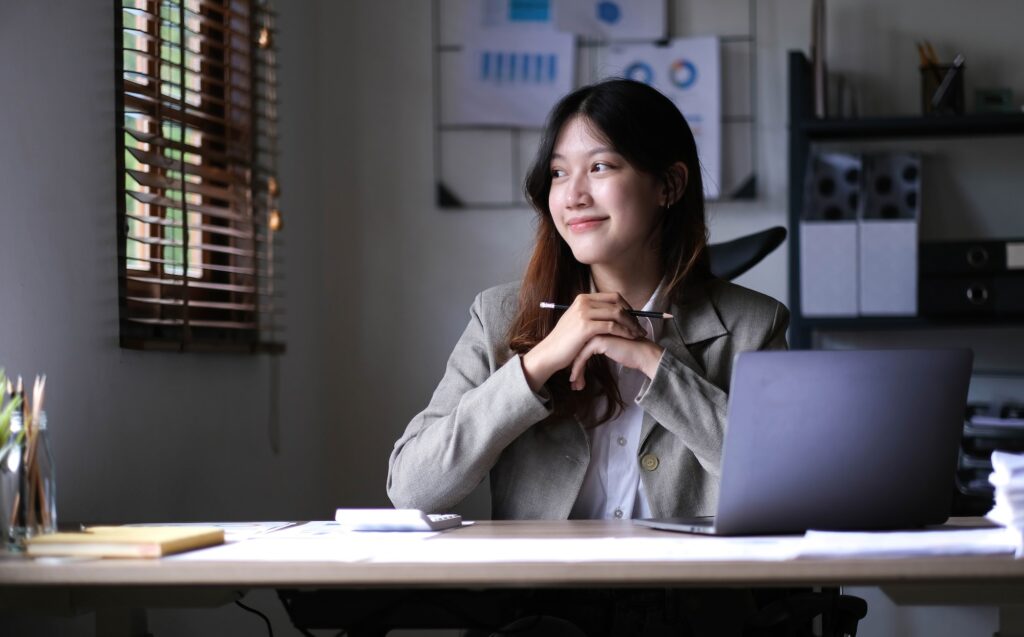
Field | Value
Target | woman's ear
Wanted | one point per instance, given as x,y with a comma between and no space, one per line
676,178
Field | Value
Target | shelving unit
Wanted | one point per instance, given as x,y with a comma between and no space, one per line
805,129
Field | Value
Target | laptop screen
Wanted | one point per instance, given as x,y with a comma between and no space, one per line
841,439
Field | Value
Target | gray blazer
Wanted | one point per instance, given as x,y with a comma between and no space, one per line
484,418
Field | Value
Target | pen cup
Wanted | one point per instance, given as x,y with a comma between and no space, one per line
942,89
28,498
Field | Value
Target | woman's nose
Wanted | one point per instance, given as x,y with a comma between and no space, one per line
578,194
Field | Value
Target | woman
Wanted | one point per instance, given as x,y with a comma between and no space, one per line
591,412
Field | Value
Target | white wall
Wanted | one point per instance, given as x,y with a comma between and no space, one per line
379,280
147,436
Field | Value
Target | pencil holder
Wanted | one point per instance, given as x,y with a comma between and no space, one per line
28,496
942,89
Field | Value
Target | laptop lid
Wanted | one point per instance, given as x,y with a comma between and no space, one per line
841,439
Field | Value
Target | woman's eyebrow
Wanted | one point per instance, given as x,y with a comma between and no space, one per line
590,153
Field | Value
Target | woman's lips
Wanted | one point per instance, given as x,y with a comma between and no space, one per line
582,224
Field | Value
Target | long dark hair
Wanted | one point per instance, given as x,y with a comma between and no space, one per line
647,129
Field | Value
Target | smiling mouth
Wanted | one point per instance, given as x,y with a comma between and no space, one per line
582,225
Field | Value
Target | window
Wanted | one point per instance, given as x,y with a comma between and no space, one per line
197,204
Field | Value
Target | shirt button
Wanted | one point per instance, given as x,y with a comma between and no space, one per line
649,461
618,513
622,441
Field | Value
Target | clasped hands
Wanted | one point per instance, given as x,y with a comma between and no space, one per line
594,324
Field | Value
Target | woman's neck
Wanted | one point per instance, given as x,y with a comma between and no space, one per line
635,285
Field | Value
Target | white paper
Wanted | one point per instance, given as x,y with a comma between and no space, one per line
511,77
295,549
824,544
669,548
688,72
309,542
233,531
1008,479
506,14
612,20
332,529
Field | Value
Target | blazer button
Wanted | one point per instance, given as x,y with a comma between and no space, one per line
649,461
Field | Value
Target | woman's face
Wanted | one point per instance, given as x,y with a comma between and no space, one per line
602,207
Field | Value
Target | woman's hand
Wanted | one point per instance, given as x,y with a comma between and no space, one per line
590,315
643,355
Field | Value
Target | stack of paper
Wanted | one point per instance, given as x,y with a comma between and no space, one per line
1008,479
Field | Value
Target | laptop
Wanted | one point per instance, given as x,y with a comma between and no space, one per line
838,440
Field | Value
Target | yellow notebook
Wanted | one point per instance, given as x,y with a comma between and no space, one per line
125,541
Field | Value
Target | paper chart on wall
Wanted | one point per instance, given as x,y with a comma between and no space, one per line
612,20
514,65
687,71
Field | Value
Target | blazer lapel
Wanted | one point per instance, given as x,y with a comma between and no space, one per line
692,323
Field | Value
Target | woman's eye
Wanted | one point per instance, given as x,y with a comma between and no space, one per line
601,167
557,172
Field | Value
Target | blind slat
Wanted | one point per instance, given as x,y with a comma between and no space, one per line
210,267
225,231
210,305
207,247
219,212
195,323
155,139
202,285
153,180
157,160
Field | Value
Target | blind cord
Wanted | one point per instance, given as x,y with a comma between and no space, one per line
274,417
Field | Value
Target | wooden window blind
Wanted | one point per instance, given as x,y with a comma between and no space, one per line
198,220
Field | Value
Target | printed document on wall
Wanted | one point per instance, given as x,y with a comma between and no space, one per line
612,20
687,71
514,64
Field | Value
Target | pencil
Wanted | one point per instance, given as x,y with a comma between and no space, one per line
657,315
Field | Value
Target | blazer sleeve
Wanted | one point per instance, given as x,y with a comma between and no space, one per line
481,405
689,405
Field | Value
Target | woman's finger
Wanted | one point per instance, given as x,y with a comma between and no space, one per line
623,323
576,376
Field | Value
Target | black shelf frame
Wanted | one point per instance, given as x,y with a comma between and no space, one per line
933,126
805,129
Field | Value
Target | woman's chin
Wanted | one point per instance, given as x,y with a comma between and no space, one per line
587,257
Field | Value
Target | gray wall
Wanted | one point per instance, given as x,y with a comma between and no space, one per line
378,280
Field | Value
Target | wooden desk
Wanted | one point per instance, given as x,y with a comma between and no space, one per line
114,586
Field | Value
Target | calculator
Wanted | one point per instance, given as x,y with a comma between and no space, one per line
395,520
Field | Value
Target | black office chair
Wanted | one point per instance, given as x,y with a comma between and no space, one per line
730,259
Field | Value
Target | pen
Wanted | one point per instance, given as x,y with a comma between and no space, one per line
940,93
657,315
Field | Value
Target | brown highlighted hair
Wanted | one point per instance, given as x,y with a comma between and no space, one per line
647,129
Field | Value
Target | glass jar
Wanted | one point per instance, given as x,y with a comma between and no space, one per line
28,495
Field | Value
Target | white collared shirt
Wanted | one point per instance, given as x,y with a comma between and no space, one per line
612,487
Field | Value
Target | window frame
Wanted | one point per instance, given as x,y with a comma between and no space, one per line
224,224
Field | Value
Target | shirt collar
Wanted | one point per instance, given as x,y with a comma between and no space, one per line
657,302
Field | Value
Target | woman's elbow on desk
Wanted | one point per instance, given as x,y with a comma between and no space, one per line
419,494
